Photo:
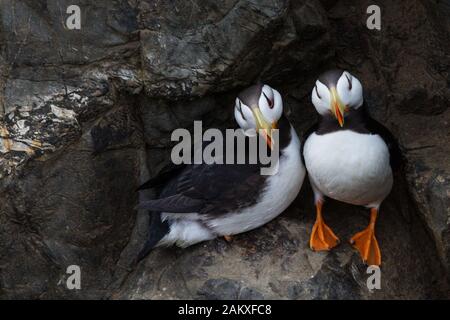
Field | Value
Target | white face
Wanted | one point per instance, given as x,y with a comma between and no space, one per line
270,105
349,91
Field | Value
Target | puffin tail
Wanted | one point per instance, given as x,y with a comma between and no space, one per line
157,230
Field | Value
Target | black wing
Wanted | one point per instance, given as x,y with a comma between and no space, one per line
305,136
209,189
206,189
157,230
167,173
396,159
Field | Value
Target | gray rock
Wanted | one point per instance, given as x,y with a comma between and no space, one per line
86,116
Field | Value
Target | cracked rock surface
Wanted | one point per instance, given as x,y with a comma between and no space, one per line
86,116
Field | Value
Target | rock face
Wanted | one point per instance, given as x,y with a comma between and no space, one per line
86,116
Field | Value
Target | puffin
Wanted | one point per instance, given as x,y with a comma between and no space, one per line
349,157
199,202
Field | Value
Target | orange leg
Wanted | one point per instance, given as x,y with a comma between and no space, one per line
228,238
322,237
366,243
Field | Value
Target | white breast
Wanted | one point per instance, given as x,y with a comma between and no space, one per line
282,188
349,166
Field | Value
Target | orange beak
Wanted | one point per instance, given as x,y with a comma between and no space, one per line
264,127
337,107
268,139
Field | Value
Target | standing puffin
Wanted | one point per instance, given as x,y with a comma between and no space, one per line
200,202
349,157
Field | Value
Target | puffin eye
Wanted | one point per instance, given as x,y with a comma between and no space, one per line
349,82
269,102
317,92
240,110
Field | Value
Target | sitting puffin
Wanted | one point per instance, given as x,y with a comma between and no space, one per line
349,157
200,202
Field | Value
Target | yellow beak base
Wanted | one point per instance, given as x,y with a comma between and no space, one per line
337,107
264,127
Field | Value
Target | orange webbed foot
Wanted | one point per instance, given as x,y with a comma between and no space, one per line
366,243
322,237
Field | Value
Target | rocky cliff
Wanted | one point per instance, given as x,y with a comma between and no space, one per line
86,116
